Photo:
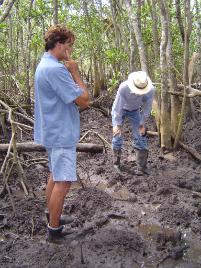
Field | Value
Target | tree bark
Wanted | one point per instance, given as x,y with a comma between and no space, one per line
187,33
93,58
138,35
198,24
179,19
165,129
152,6
132,67
7,10
28,60
174,100
197,72
116,30
55,12
96,87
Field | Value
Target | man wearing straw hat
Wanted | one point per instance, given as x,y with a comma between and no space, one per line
133,100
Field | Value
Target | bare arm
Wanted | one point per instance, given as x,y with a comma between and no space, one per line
83,100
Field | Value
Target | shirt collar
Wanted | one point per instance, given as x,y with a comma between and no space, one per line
48,55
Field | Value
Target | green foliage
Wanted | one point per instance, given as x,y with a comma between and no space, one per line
113,83
95,35
153,113
36,40
114,56
3,26
157,74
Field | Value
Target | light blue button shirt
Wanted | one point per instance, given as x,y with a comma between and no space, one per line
57,119
126,100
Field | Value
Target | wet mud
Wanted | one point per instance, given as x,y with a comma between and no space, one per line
120,220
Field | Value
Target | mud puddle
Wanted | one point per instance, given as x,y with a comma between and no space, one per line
117,192
191,255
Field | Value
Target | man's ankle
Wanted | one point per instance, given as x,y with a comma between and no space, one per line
53,228
64,219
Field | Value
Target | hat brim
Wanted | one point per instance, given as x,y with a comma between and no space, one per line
136,90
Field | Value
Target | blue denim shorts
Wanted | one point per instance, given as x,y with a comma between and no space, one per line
62,163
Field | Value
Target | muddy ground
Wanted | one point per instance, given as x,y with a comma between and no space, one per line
121,220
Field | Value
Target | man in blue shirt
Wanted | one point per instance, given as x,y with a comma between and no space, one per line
58,90
133,100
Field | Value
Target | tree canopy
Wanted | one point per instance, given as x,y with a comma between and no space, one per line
113,38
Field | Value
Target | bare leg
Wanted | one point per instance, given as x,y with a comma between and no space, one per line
56,202
49,188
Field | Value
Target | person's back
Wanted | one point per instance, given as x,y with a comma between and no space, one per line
130,100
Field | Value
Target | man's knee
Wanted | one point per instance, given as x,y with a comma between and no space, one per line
62,186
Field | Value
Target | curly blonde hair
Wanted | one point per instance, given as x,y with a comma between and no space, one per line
58,33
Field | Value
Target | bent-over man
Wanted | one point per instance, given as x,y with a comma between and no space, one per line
133,100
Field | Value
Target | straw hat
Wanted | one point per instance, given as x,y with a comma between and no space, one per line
139,83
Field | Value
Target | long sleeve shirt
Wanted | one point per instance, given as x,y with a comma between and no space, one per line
126,100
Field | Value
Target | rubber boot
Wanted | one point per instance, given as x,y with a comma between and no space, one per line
63,220
141,160
55,235
144,162
116,159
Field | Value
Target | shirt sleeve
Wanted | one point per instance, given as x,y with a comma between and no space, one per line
63,84
147,105
117,110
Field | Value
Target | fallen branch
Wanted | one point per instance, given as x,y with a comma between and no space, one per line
28,118
185,190
189,149
96,106
194,86
104,111
152,133
33,147
5,171
92,227
193,89
180,94
97,134
193,93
